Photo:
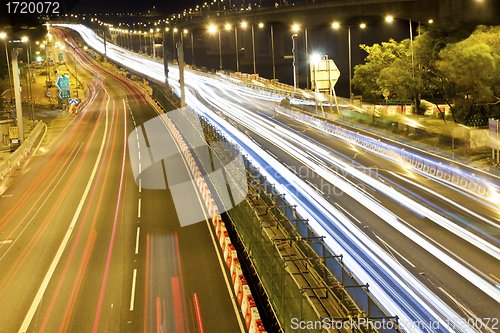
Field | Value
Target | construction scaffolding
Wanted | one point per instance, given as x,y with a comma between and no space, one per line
303,280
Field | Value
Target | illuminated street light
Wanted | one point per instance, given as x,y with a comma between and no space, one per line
295,27
389,18
315,58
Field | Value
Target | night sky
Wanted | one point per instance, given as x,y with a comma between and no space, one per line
163,7
134,6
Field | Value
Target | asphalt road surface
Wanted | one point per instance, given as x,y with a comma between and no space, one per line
84,249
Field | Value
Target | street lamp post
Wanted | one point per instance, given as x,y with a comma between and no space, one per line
213,29
192,48
174,30
140,42
362,26
3,35
253,50
295,55
28,80
236,45
307,59
272,51
228,27
390,19
17,94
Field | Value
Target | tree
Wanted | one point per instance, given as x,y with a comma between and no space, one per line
460,65
388,68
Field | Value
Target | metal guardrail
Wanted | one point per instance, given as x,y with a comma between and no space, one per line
15,158
443,172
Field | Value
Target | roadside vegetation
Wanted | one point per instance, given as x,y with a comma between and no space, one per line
457,67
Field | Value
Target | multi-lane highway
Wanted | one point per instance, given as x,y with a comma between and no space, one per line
83,248
429,250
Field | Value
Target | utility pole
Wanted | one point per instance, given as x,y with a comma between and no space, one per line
17,94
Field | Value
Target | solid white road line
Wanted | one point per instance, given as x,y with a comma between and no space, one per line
132,295
41,291
222,264
137,240
43,203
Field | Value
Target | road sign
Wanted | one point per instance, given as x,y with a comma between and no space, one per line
64,94
62,82
49,94
13,132
60,56
73,101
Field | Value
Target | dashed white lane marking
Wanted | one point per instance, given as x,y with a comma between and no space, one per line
139,209
139,154
132,296
137,240
140,185
8,241
393,250
138,145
